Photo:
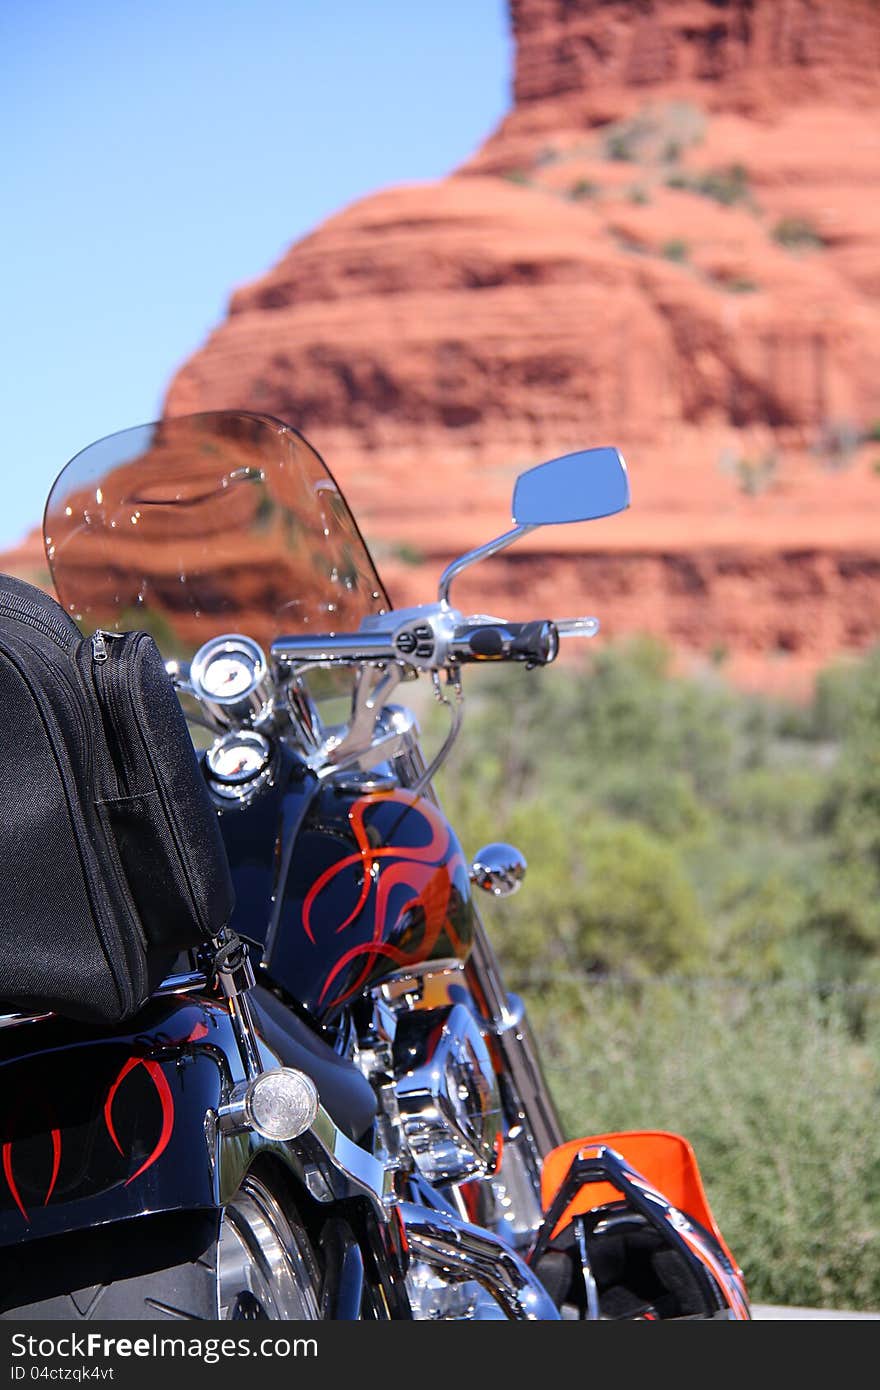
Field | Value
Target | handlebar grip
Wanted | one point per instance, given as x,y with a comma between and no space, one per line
536,643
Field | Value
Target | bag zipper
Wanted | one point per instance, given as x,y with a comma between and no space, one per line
117,764
100,651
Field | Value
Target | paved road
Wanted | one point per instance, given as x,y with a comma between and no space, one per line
762,1312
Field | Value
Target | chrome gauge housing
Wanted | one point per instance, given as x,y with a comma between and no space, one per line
229,675
239,765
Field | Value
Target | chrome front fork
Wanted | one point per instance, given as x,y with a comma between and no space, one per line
528,1097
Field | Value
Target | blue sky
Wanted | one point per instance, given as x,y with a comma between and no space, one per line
155,155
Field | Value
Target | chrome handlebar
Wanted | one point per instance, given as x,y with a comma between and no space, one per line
433,637
344,648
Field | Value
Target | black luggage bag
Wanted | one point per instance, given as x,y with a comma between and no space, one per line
111,859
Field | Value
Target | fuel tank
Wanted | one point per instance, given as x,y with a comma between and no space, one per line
340,886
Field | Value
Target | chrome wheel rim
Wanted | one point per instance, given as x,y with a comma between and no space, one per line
265,1269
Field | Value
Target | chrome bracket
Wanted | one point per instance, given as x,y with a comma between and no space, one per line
460,1251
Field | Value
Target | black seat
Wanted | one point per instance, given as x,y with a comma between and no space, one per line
345,1092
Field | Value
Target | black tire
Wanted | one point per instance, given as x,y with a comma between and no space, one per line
256,1262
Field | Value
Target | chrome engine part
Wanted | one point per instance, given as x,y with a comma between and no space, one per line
447,1094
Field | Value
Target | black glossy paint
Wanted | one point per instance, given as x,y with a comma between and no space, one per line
99,1126
337,890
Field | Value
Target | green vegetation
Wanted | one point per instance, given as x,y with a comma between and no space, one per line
698,938
675,250
621,145
408,554
741,284
728,186
654,135
755,476
836,444
583,188
797,234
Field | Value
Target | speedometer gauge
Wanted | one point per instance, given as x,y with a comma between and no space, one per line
238,757
239,764
228,677
229,674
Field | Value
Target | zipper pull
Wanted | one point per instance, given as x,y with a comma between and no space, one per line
100,651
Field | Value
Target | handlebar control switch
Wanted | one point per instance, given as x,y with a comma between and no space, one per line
416,641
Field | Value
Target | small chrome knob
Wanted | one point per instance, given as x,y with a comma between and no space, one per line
498,869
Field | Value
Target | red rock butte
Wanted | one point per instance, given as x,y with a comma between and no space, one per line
671,243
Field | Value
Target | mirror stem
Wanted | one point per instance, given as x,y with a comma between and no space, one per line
482,553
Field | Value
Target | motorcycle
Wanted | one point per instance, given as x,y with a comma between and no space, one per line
338,1111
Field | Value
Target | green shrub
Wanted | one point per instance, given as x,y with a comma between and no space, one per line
756,475
583,188
796,233
728,186
620,146
602,895
408,554
675,250
636,911
836,444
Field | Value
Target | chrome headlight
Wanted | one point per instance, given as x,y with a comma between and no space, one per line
447,1093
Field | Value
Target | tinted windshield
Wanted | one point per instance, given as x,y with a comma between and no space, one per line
219,522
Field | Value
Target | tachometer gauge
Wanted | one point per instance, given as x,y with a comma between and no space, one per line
239,764
229,674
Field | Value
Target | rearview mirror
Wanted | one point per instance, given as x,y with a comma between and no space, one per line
576,487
